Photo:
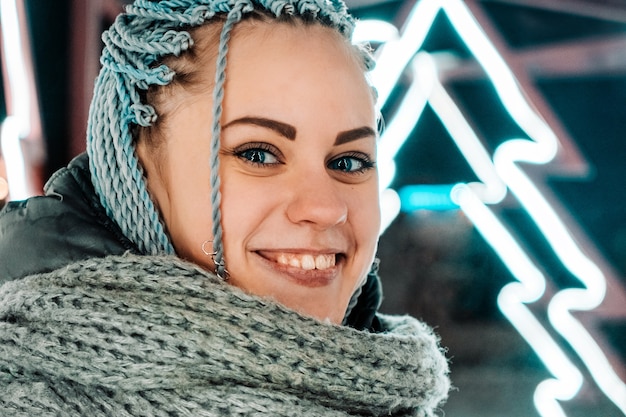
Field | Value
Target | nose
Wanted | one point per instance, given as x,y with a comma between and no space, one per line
316,199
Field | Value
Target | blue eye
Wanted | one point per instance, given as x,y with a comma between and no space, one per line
351,164
258,156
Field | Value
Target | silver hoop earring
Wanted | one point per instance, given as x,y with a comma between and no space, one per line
217,265
204,249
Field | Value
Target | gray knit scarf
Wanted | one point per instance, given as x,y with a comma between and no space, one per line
155,336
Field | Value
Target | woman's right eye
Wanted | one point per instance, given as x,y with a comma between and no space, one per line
258,154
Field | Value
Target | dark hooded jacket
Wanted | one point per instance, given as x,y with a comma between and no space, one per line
68,224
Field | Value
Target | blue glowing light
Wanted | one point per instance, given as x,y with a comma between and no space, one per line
427,197
497,175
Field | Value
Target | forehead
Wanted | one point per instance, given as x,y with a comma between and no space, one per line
291,28
293,36
291,68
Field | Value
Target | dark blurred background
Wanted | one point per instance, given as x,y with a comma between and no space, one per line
570,56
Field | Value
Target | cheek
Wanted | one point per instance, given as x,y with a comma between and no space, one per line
189,217
247,205
192,225
364,207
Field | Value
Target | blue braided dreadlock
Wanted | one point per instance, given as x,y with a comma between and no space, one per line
134,48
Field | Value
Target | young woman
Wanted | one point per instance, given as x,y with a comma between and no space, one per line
213,253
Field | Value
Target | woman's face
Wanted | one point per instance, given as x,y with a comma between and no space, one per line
300,211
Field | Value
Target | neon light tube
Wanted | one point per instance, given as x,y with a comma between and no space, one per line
375,31
511,300
15,66
18,124
13,160
427,197
495,177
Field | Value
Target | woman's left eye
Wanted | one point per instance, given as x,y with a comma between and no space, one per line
351,164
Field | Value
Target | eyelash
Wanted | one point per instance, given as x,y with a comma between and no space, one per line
242,152
363,159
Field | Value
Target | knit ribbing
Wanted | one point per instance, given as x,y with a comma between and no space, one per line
157,336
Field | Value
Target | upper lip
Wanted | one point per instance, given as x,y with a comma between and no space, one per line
302,251
272,254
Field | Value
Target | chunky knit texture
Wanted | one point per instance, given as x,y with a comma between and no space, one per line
155,336
133,49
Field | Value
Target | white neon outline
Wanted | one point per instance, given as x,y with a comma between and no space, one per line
490,188
512,299
373,30
15,65
18,124
390,205
542,147
395,56
10,144
396,132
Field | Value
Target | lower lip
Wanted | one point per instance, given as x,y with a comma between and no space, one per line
312,278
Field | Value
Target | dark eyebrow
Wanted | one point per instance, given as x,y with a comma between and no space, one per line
354,134
289,132
281,128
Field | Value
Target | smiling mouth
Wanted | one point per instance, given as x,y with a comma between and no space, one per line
304,261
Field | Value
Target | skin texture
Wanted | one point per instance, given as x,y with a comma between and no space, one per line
297,167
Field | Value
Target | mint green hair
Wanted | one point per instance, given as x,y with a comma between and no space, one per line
134,49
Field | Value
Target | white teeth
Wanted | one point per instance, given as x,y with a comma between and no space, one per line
324,262
282,259
307,262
